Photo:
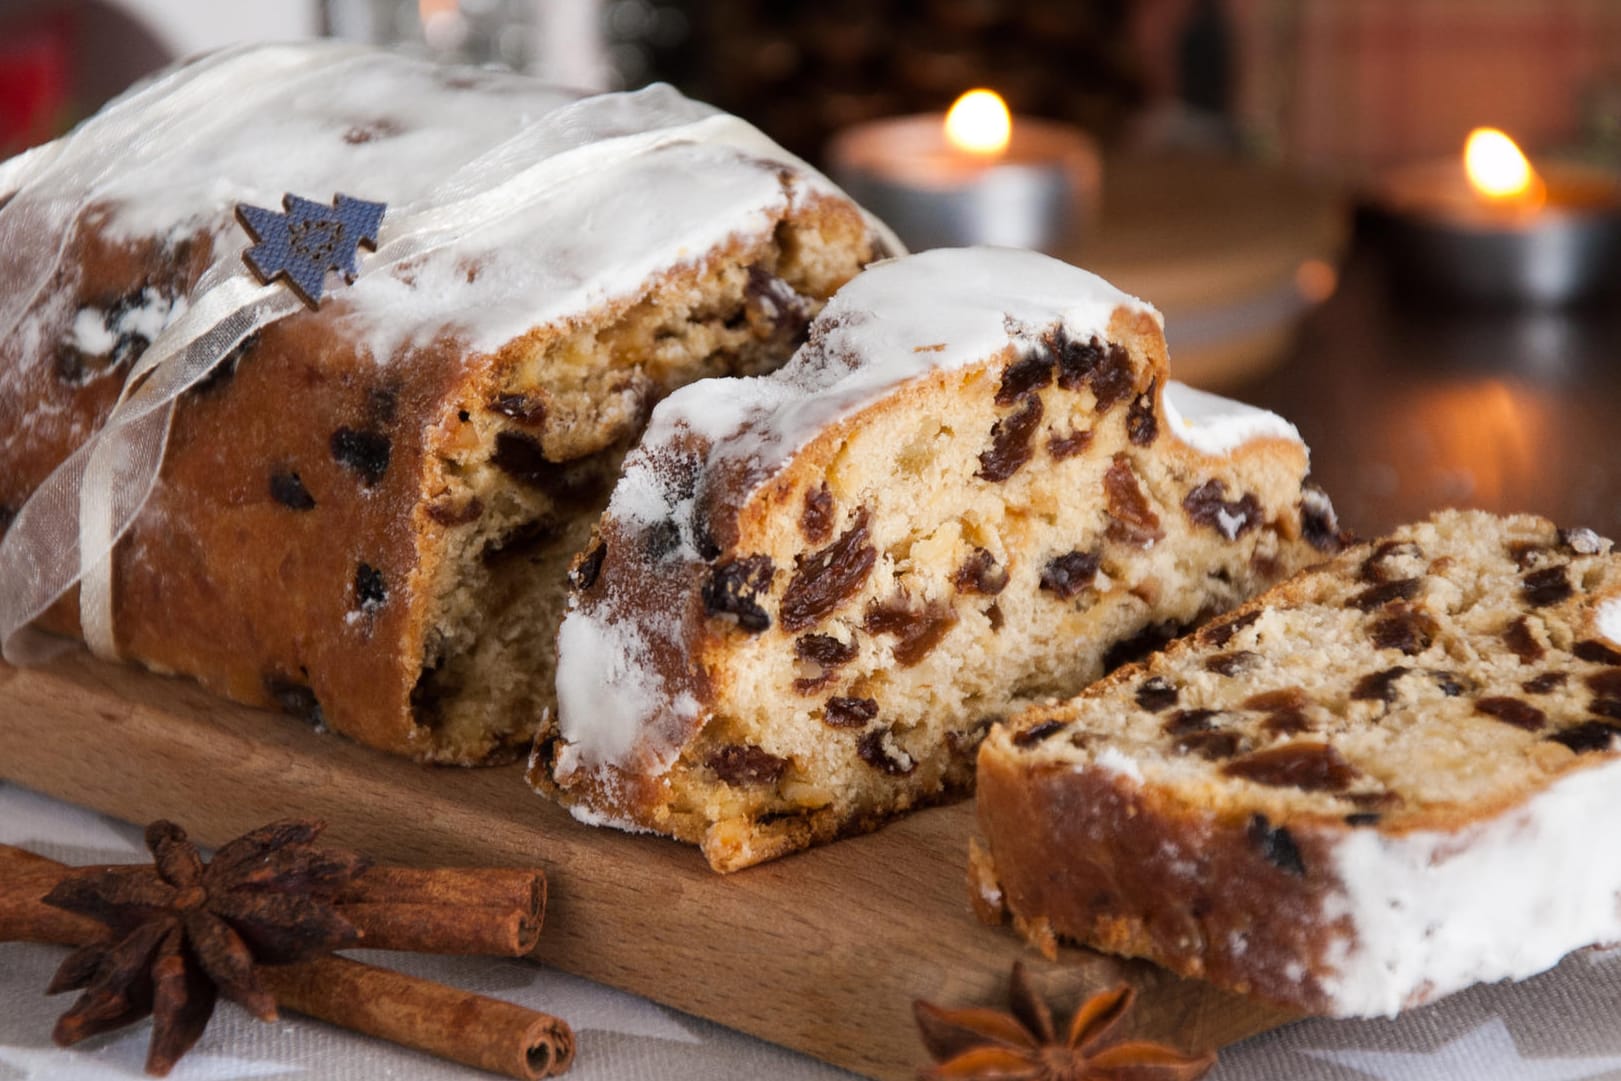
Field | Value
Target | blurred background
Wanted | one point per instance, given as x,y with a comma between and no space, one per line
1245,145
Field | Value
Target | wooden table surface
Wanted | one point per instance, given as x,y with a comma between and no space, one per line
1409,406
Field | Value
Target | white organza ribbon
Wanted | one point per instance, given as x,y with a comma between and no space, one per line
66,531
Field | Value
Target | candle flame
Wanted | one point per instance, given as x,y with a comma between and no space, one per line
979,123
1498,171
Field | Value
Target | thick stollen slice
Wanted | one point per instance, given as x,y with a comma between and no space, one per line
366,512
1380,782
971,490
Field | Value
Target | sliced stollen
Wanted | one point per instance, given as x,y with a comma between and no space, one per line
973,488
1373,785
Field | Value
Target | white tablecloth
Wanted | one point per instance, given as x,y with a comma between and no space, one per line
1562,1026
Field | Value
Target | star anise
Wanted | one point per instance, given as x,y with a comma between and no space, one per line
979,1044
182,933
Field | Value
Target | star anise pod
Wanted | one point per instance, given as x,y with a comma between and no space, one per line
979,1044
182,933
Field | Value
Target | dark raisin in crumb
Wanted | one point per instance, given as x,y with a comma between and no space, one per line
521,408
1379,686
1067,575
1308,766
1231,664
1451,683
1277,847
1131,519
1206,506
1282,698
1036,733
294,698
1374,568
448,510
1606,683
827,578
1588,736
879,750
1363,818
842,712
288,490
993,616
1512,711
1597,652
1606,707
917,631
1518,638
825,650
744,764
1546,683
1141,644
734,588
1403,589
979,573
1011,443
1067,446
1287,722
363,452
1404,628
583,575
1184,721
1220,633
371,592
1318,522
1155,694
581,483
1142,427
816,519
1547,586
1023,376
1106,368
1211,746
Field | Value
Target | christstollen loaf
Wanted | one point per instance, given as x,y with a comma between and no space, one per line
364,512
974,488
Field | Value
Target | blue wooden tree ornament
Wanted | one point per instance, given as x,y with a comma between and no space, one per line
310,239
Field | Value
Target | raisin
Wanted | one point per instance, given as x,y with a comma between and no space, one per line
294,698
1023,376
1131,519
578,484
1184,721
1546,683
827,578
371,591
917,631
1363,818
1309,766
1525,553
1277,847
1374,569
1583,542
842,712
583,575
1450,683
1607,684
816,519
1067,575
1587,737
1518,638
1597,652
825,650
1606,707
1142,427
744,764
363,452
1379,686
1547,586
979,573
1155,694
1206,506
770,300
1318,522
1036,733
288,490
1512,711
1405,628
1106,368
1141,644
1067,446
449,511
1402,589
1011,443
1211,746
734,588
1219,634
521,408
1231,664
1286,722
993,616
879,750
1283,698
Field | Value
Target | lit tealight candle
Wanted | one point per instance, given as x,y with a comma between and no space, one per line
974,176
1501,228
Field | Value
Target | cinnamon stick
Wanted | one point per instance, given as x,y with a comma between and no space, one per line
457,1025
471,1029
491,912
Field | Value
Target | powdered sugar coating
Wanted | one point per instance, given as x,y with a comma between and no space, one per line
1607,618
1216,426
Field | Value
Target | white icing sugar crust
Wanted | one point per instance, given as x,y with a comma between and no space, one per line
1218,426
634,184
1433,912
1607,618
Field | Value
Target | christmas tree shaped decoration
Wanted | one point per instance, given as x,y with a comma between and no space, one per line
303,244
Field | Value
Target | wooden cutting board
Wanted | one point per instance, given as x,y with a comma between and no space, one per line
822,952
